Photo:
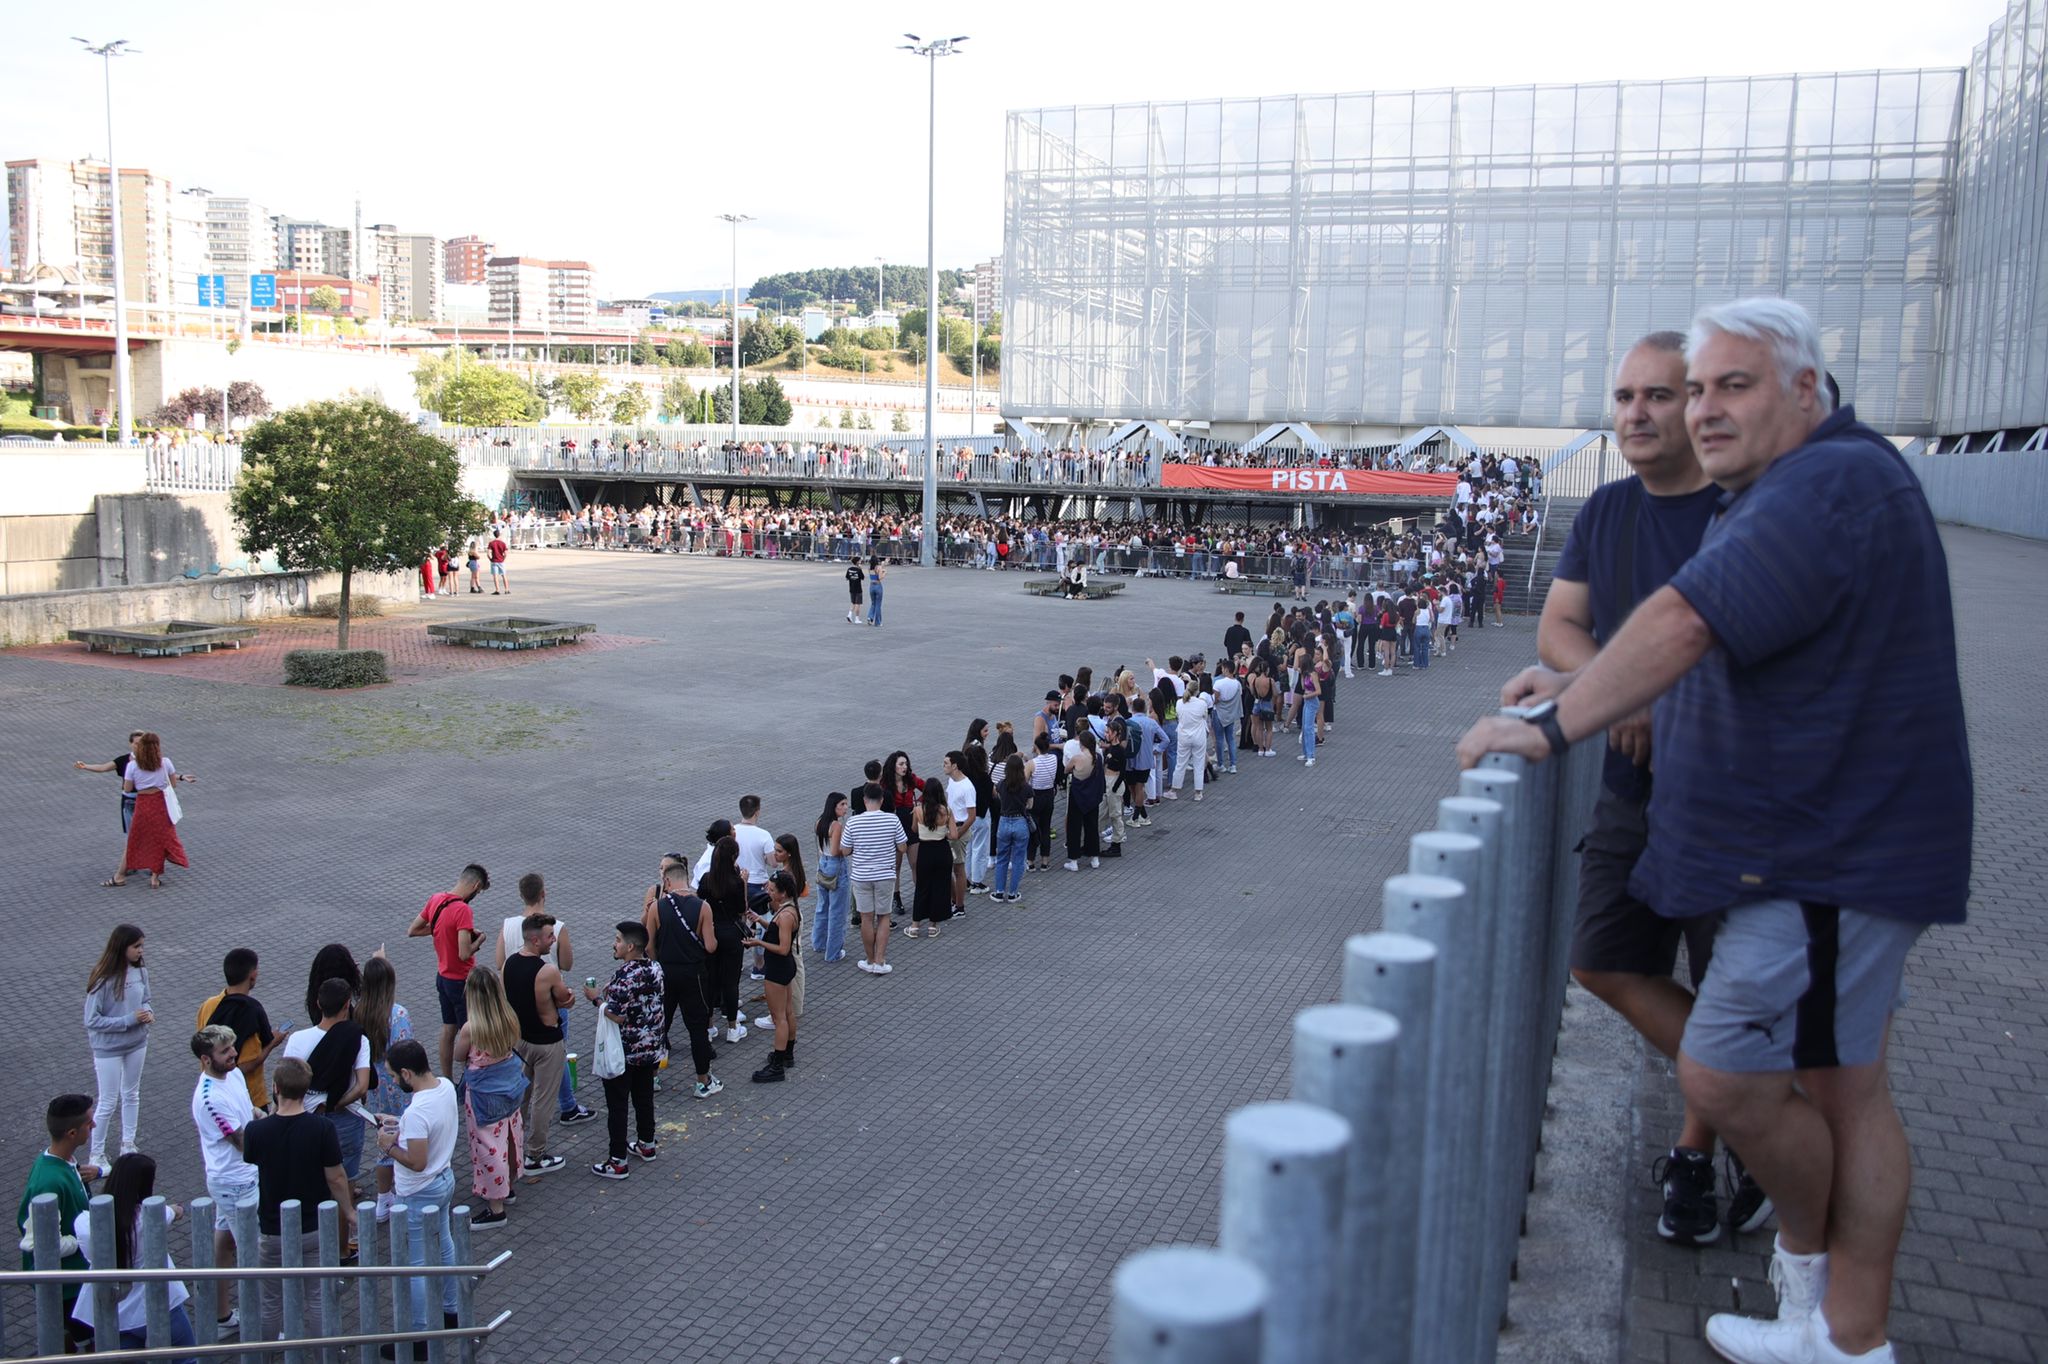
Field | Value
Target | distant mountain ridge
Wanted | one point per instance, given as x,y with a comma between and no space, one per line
691,295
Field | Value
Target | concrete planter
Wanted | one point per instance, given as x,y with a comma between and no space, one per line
163,638
510,632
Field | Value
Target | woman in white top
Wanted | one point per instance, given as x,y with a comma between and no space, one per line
132,1180
153,832
1042,774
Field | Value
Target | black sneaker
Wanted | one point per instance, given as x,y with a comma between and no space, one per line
582,1114
487,1220
1749,1207
1691,1217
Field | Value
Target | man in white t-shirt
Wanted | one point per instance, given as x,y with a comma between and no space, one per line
757,852
421,1144
1191,743
336,1085
221,1109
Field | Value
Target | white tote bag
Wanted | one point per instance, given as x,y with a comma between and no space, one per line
171,806
610,1059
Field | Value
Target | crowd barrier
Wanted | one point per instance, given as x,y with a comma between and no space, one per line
1374,1216
313,1297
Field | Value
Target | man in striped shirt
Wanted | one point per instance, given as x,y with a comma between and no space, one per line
871,839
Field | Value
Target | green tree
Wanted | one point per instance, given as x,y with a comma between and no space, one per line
991,353
644,352
630,405
865,423
325,299
348,485
876,338
760,340
582,394
678,399
696,354
899,422
775,405
846,419
484,395
909,325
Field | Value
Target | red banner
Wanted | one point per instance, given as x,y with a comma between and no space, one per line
1370,482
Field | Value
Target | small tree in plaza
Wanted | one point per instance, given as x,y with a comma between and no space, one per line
630,405
348,485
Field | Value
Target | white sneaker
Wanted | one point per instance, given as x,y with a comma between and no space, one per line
1233,769
712,1035
1386,672
1198,795
766,1021
1301,757
866,965
1071,866
1800,1281
1310,763
884,969
1094,861
736,1032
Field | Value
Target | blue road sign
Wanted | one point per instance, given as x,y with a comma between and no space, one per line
263,291
213,291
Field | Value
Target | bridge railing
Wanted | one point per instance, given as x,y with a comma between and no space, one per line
1375,1216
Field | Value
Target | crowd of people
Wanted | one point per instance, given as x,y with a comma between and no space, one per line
359,1102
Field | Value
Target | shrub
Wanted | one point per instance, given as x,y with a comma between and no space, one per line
331,669
328,607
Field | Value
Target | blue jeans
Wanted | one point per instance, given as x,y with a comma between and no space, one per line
1172,751
1225,746
874,606
348,1130
568,1105
439,1191
1422,634
977,851
181,1333
1309,706
828,917
1013,837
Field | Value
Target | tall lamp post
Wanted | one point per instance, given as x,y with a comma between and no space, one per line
931,52
106,52
736,219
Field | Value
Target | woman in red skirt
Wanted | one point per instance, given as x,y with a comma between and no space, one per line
152,836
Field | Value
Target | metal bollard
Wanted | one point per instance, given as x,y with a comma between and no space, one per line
1186,1305
248,1257
43,1222
1283,1198
465,1285
106,1324
429,1289
1346,1059
1439,911
291,1253
330,1284
205,1314
154,1253
366,1258
1396,974
401,1288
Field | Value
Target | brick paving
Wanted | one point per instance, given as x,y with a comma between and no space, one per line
1969,1053
971,1144
968,1146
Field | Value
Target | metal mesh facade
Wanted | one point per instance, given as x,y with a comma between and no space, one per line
1470,256
1995,360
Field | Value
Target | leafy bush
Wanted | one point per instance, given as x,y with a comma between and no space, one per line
329,606
332,669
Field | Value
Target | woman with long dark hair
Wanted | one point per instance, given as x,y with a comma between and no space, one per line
1013,830
775,933
384,1022
1086,783
931,829
153,830
332,962
1043,773
979,835
724,888
117,1019
129,1184
901,786
835,894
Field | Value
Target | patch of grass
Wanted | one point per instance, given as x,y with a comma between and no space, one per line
328,607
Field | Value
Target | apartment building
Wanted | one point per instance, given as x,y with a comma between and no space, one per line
315,248
240,242
526,292
58,214
408,268
467,260
988,288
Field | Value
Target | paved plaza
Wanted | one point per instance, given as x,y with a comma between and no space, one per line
969,1145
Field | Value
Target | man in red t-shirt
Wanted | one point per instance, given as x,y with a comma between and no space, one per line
448,920
1500,594
497,551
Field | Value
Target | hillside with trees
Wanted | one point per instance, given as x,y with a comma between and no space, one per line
903,284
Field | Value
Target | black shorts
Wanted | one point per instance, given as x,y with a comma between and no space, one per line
1616,931
454,1003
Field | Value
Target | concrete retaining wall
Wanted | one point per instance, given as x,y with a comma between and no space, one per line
2003,492
48,553
155,537
46,617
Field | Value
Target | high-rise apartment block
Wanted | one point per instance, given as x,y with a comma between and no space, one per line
539,293
240,242
59,214
315,248
988,288
468,260
407,267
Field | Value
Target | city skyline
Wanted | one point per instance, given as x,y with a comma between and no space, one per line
847,188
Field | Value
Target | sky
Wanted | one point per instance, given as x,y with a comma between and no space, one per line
615,131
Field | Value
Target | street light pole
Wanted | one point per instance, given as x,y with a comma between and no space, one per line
931,52
736,219
106,52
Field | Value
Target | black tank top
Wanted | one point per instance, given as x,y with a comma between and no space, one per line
677,944
521,971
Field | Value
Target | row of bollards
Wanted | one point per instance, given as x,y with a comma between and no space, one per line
1374,1216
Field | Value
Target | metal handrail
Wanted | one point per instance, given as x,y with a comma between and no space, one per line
176,1275
456,1335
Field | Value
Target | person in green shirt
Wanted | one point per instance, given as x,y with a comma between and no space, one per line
55,1171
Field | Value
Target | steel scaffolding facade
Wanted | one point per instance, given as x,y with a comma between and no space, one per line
1994,372
1471,256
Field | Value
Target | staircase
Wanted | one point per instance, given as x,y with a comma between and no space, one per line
1523,597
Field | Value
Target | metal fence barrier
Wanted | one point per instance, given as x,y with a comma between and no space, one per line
1376,1215
307,1331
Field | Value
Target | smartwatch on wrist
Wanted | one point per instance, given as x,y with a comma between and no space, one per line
1543,715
